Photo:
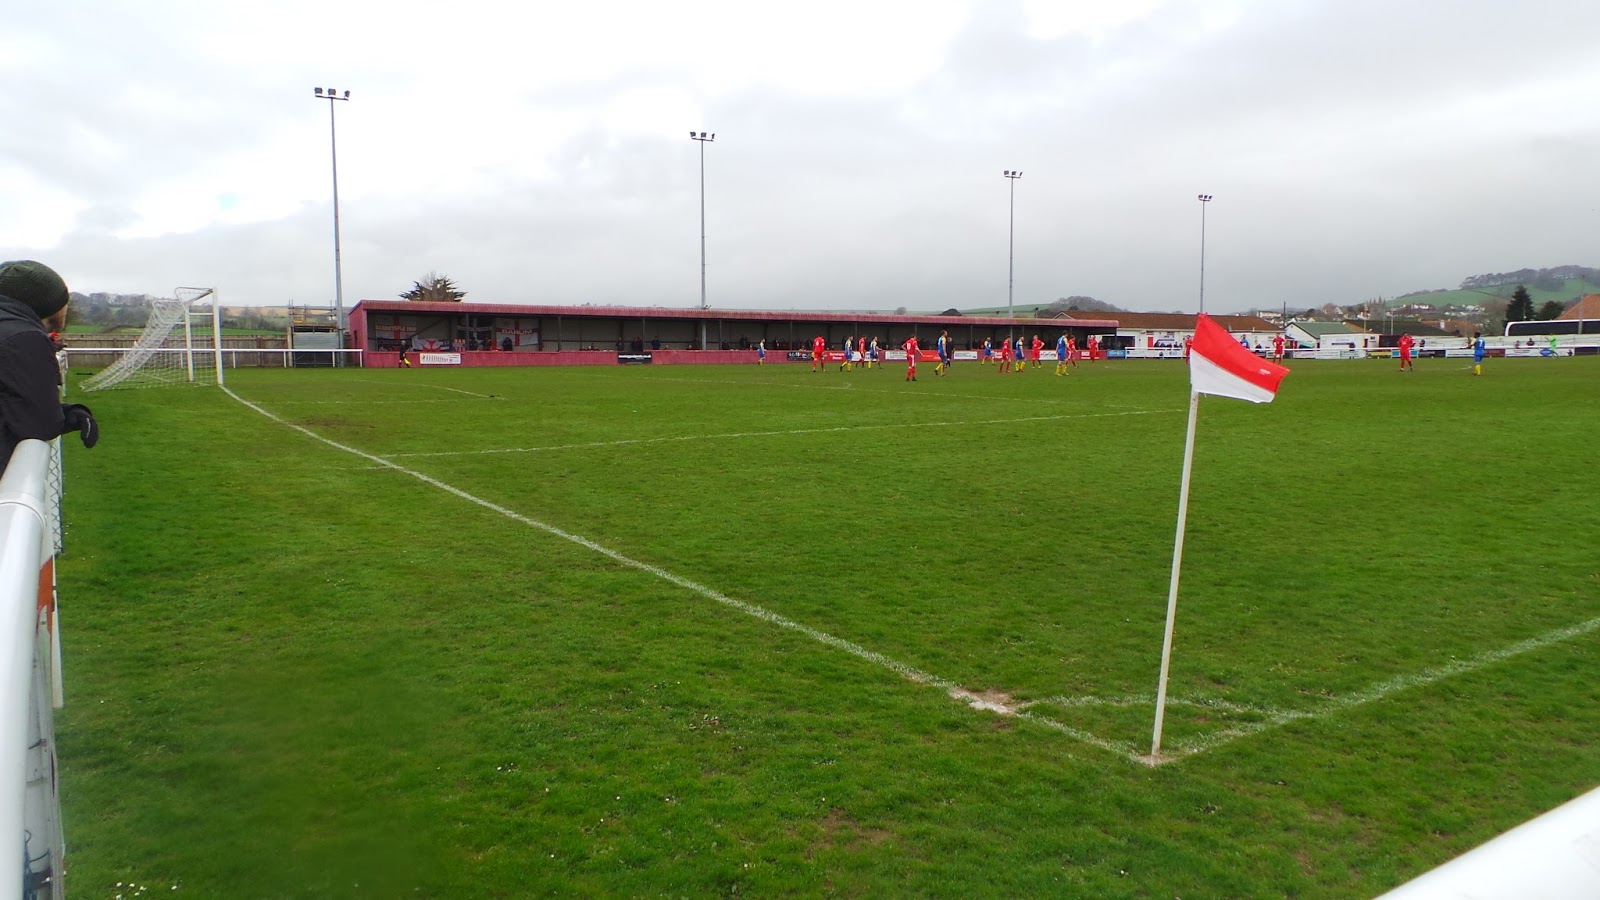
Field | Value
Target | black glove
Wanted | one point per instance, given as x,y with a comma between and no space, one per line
82,421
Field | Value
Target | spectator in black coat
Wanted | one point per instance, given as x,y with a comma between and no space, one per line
33,303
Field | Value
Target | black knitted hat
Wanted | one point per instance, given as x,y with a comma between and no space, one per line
34,284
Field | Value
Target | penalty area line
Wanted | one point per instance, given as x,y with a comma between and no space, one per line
440,387
589,445
910,673
374,402
847,386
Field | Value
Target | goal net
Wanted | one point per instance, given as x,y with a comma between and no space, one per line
181,344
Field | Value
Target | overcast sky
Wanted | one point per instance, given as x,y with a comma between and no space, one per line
539,152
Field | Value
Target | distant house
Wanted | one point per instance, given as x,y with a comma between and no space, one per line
1331,336
1586,308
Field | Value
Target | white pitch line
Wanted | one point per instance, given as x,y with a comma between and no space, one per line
849,386
1148,700
434,387
373,402
793,431
1274,718
1120,748
910,673
1398,683
440,387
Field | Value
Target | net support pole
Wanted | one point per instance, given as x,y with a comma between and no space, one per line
216,334
188,344
1177,566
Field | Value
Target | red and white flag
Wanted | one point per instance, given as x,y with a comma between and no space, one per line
1220,365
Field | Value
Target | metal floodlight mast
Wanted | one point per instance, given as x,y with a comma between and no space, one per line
332,94
1204,199
1011,257
704,139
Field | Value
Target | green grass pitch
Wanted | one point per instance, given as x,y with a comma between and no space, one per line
699,631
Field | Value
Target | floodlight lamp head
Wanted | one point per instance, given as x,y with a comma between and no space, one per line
347,95
1205,198
319,92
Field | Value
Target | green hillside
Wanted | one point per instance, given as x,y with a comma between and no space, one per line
1019,311
1572,288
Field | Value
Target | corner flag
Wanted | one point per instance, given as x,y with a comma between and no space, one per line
1217,365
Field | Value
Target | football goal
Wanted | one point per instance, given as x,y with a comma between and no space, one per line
181,344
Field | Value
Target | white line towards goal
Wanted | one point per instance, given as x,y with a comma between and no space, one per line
161,355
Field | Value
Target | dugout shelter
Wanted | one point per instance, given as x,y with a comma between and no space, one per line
495,334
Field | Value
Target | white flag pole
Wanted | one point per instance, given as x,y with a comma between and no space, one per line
1177,563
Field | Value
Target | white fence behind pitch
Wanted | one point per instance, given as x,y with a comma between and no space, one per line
232,357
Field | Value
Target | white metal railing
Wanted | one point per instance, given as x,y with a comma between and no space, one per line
31,845
1552,857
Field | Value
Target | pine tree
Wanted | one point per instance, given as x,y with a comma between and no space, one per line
1520,309
434,288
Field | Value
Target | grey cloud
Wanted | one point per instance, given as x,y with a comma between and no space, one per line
1302,120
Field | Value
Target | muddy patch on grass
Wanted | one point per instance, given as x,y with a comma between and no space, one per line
990,700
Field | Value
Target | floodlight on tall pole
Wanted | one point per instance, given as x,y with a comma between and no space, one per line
330,95
1204,200
704,139
1011,257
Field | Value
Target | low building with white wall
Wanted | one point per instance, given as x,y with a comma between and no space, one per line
1163,334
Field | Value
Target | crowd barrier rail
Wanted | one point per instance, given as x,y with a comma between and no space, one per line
30,674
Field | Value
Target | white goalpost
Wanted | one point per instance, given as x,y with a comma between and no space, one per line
162,354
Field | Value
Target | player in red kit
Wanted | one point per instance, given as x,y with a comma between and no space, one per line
819,346
1277,347
1005,356
1034,350
911,348
1406,343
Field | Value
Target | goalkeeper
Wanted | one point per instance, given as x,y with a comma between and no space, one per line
33,302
